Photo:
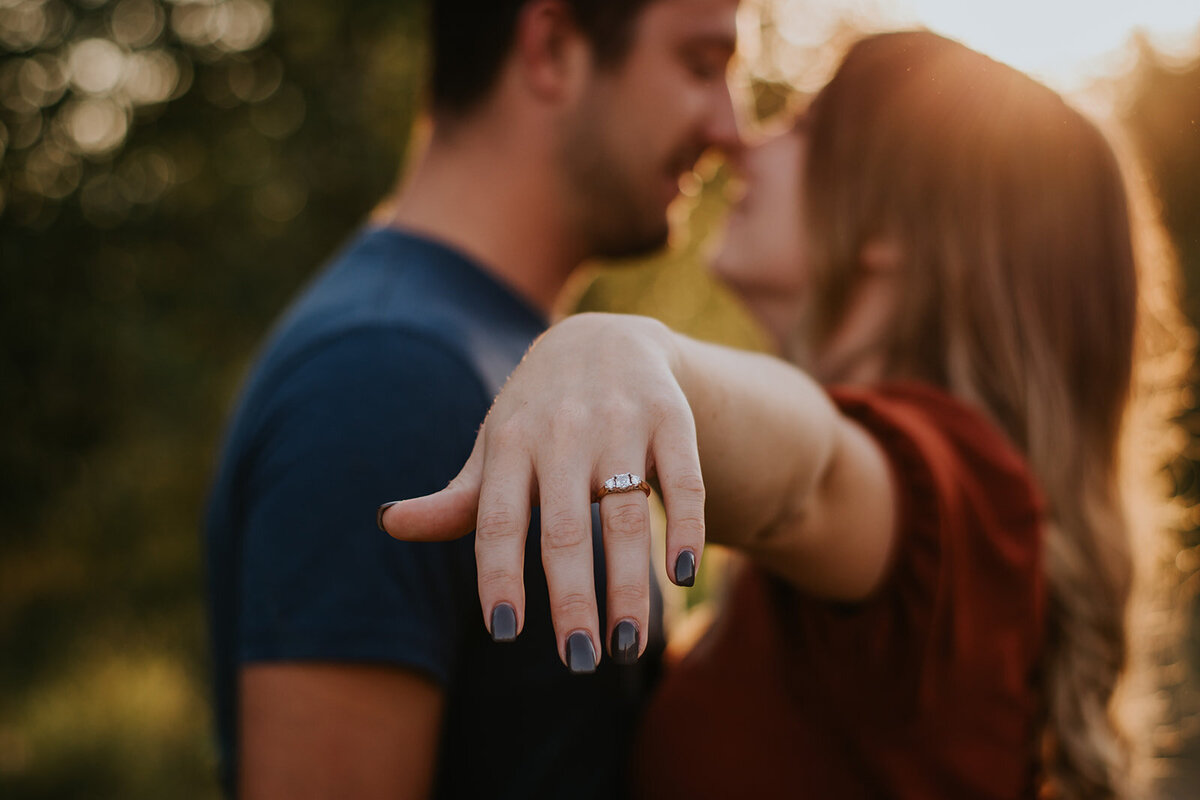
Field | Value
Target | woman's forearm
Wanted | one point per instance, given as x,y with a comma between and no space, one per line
766,435
789,480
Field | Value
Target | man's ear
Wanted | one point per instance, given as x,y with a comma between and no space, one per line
552,54
881,255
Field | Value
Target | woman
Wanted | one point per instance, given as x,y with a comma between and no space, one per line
938,552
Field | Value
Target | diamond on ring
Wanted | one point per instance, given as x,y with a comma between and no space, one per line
623,482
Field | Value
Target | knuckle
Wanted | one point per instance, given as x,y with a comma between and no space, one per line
626,522
574,605
495,523
506,434
564,531
660,408
668,405
497,577
627,595
688,525
687,486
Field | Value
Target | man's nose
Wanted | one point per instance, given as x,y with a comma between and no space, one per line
724,130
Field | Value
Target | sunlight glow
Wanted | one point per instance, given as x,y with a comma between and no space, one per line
1064,42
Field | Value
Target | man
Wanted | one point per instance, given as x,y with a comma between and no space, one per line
352,665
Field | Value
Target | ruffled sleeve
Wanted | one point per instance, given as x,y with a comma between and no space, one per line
962,603
926,689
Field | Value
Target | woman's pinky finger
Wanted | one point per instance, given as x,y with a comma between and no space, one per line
677,463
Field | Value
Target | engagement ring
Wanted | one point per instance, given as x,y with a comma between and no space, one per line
623,482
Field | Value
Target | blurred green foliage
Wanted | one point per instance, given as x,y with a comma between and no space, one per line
129,306
170,173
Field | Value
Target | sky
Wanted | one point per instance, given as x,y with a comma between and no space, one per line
1063,42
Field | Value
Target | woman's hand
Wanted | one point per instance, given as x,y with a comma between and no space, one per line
596,396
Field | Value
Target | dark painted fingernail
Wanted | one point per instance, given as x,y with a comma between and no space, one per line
581,654
379,514
685,568
624,644
504,623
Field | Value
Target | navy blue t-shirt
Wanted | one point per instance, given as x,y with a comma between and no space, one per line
371,389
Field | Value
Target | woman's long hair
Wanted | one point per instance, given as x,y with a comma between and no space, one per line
1019,294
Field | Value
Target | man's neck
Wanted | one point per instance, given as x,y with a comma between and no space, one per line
496,202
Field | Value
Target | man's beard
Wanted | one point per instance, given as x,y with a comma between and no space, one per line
616,217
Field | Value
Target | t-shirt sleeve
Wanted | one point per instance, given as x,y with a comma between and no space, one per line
962,601
373,416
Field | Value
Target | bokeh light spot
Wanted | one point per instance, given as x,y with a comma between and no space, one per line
231,25
96,66
51,171
690,184
151,77
242,24
60,20
42,80
23,25
145,175
192,22
137,23
25,130
10,90
96,125
255,81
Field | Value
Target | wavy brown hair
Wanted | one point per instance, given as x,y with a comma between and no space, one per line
1020,295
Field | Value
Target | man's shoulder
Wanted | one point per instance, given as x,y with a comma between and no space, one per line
394,325
388,288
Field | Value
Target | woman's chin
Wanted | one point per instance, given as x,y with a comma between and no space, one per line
728,268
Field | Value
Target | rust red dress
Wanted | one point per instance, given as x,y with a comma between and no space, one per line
925,690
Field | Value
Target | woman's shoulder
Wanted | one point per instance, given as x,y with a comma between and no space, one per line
932,436
966,584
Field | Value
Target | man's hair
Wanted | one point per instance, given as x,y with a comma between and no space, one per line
471,40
